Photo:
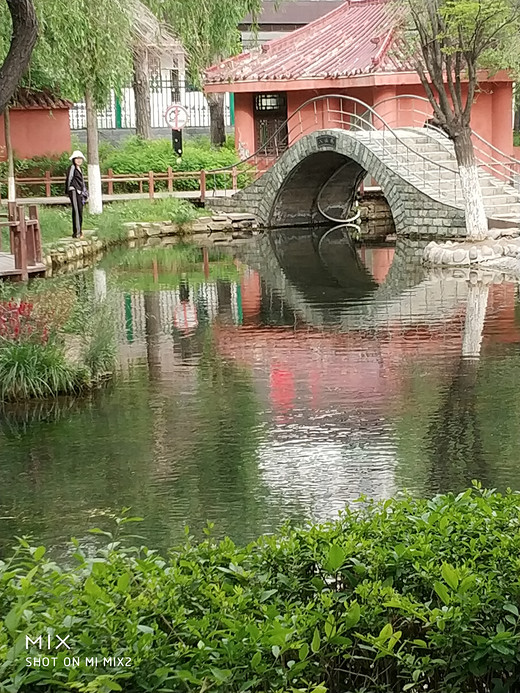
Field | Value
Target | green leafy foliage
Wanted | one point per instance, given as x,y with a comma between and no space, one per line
138,156
451,41
82,44
208,29
426,598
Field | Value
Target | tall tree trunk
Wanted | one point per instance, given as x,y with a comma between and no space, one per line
143,114
11,183
216,116
23,39
95,205
476,219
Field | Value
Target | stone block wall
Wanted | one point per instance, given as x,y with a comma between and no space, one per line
228,229
414,213
376,218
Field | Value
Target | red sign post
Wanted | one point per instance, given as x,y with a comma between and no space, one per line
176,117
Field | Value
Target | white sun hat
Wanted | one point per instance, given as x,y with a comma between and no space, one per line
76,155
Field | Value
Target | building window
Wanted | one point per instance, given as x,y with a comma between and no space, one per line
271,102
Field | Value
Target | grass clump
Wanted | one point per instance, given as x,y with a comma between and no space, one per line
56,222
31,370
402,595
36,334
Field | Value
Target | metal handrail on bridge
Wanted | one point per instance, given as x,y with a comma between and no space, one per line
392,149
494,164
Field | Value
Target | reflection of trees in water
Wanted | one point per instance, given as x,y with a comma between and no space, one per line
227,482
152,307
456,447
18,419
90,454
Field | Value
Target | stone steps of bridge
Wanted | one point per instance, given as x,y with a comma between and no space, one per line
429,164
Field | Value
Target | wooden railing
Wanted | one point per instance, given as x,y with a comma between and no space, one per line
148,181
25,239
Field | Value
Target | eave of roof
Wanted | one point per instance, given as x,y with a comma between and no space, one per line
353,39
32,100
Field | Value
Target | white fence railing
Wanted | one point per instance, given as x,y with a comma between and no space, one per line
120,113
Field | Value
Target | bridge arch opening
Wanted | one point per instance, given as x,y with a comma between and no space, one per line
321,187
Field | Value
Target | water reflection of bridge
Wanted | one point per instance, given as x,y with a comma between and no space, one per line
291,278
331,345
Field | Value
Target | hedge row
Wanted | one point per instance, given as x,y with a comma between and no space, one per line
137,156
405,595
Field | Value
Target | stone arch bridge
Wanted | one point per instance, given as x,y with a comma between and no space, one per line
315,180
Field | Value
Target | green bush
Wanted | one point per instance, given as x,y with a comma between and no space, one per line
403,595
137,156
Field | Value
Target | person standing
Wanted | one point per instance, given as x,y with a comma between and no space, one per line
76,191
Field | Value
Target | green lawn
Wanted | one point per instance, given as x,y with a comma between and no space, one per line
56,221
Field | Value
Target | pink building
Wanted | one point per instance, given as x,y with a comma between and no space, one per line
39,125
353,50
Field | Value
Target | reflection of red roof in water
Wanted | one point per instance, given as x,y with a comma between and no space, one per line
318,368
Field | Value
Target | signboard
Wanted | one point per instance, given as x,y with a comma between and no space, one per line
326,141
176,116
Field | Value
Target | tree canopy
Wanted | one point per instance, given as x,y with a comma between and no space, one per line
82,45
451,40
208,29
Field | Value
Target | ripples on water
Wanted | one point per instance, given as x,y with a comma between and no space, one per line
285,383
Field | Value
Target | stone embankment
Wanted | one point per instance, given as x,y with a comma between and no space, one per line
501,248
225,229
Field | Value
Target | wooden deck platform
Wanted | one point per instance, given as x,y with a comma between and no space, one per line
8,270
194,195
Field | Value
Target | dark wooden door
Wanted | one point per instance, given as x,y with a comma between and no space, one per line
270,113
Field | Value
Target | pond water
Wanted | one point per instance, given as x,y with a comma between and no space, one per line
278,380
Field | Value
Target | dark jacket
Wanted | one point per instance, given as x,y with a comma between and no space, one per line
75,181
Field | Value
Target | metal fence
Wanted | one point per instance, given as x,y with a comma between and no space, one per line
120,113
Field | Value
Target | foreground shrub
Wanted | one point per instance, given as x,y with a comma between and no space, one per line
405,595
30,370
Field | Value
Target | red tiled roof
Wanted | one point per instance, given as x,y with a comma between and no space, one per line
356,38
30,99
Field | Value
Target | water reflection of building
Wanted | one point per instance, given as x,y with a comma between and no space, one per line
330,394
